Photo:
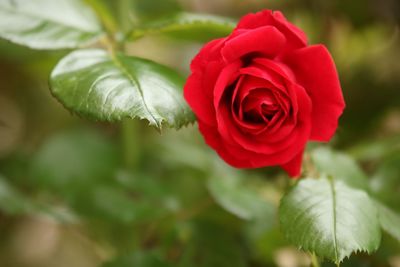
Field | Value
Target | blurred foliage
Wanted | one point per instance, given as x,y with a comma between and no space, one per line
69,198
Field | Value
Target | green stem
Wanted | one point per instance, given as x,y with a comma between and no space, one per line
104,14
130,128
124,12
314,260
130,145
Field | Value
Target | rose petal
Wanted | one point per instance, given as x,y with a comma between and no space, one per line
227,76
278,152
210,75
258,98
234,156
272,72
293,167
295,37
247,85
316,71
255,20
197,100
198,90
209,52
261,105
237,112
277,67
285,128
264,75
211,136
266,40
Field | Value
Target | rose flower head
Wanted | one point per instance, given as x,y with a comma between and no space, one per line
262,92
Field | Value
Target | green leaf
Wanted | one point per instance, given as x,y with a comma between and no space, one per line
390,220
106,87
105,12
330,219
48,24
187,26
238,198
340,166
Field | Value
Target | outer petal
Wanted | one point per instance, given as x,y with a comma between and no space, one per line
226,77
316,72
211,136
209,52
267,41
295,37
255,20
198,90
293,167
230,155
196,98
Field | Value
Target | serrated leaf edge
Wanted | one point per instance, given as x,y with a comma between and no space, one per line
157,124
176,25
338,260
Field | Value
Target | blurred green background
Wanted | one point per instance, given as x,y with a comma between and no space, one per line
68,198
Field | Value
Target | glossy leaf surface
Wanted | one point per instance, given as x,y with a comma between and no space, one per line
187,26
48,24
330,219
97,85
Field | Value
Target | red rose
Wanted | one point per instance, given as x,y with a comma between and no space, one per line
261,93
